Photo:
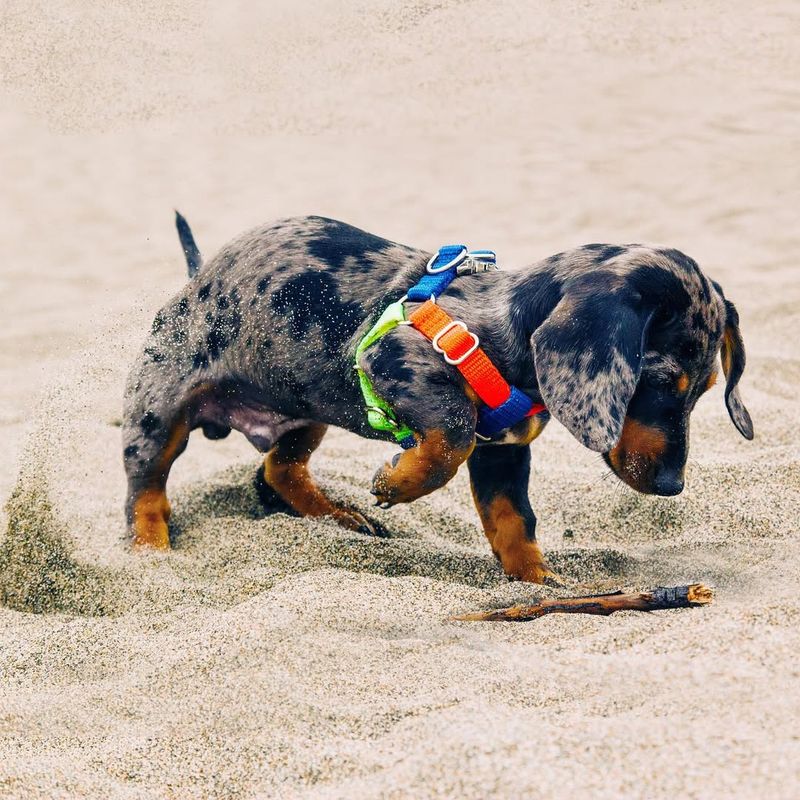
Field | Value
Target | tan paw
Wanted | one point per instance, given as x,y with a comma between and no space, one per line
526,563
396,484
386,493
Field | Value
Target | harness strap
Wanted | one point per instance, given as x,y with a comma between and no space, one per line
506,404
461,348
439,273
380,414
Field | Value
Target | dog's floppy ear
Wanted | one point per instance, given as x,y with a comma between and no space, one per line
733,360
588,356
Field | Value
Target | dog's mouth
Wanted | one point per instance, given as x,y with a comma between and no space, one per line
643,474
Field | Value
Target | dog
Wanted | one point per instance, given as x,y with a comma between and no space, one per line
617,342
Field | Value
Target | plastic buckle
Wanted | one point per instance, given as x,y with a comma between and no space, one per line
456,323
454,262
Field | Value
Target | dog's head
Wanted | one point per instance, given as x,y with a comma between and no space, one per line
627,352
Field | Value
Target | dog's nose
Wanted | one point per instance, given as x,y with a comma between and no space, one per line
668,483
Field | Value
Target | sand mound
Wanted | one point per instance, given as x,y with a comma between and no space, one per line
37,571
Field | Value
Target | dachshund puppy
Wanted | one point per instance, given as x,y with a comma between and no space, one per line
618,342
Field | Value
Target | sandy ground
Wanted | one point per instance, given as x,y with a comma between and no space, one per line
268,656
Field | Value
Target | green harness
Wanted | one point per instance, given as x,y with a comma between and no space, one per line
380,415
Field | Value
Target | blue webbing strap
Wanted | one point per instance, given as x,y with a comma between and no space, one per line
438,276
492,421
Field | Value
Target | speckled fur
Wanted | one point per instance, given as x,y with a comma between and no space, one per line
268,328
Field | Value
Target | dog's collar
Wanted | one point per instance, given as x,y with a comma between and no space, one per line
504,405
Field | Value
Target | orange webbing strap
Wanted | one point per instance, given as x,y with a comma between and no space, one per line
430,320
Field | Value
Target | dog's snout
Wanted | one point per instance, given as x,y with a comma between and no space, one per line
668,483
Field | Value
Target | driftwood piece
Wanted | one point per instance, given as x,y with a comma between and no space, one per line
660,598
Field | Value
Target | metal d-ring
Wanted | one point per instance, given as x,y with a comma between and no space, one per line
454,262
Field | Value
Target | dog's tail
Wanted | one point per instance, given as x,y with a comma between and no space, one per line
193,258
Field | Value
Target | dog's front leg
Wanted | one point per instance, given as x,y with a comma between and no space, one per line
422,469
430,397
499,477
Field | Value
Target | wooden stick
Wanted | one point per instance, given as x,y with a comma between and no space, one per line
658,599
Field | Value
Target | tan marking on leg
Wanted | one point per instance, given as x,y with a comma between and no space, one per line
682,384
150,516
151,509
532,427
520,556
420,470
174,446
286,471
535,426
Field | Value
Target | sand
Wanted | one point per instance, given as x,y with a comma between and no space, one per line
273,657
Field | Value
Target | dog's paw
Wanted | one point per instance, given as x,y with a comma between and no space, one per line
550,578
536,574
384,488
524,562
539,573
354,521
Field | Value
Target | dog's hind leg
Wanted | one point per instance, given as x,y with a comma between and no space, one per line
286,471
499,478
151,446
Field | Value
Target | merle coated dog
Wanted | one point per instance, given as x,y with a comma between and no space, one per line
618,342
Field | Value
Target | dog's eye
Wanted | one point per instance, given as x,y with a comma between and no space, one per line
658,380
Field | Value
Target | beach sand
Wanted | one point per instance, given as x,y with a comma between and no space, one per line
267,656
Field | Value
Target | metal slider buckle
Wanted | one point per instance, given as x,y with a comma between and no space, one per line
456,323
454,262
390,420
